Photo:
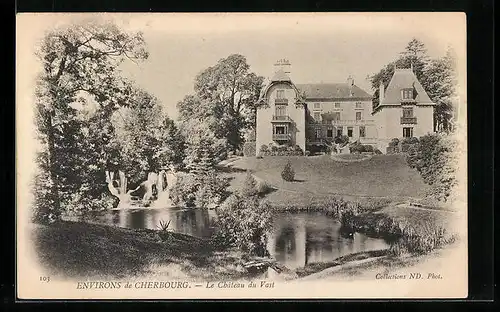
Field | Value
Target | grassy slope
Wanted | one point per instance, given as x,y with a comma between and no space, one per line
77,249
381,176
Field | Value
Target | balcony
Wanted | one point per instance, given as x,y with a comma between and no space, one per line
284,118
281,101
408,120
408,101
281,137
346,122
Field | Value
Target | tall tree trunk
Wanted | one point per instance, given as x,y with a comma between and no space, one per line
52,167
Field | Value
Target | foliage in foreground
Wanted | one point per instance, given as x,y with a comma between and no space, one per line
242,222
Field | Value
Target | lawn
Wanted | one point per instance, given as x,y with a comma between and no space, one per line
381,176
82,250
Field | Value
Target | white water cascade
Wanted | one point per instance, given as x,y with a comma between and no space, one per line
164,182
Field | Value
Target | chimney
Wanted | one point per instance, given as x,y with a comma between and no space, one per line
350,81
381,93
282,64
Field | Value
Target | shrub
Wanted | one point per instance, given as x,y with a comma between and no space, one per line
341,139
249,149
434,157
191,190
249,186
242,222
422,240
273,148
368,149
263,188
288,174
280,150
308,153
394,142
408,143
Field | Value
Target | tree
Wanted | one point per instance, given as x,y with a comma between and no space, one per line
437,76
77,59
414,55
249,186
227,93
147,138
203,149
440,81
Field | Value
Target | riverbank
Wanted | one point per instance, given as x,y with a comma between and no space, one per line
82,250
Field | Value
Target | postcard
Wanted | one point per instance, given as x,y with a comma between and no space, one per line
241,156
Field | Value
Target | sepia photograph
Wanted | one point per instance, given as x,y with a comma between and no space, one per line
238,155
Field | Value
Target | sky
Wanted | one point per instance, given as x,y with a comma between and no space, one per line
320,47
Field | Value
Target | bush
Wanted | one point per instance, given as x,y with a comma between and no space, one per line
249,149
191,190
249,186
342,139
422,240
263,188
408,143
434,157
308,153
242,222
288,174
280,150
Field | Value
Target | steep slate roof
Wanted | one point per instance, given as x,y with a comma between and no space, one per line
404,78
332,91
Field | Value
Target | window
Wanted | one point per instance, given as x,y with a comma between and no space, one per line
407,112
358,115
280,94
317,133
280,130
281,110
407,94
336,105
339,131
362,131
317,105
317,116
329,133
349,132
336,116
407,132
359,105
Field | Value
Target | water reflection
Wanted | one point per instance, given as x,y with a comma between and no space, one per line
301,238
295,239
195,222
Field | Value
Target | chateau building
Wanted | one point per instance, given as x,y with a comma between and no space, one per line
315,114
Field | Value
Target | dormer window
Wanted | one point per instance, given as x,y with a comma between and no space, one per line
407,94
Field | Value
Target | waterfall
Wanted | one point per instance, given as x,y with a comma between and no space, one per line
163,182
123,182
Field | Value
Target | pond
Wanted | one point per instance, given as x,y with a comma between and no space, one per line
296,239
